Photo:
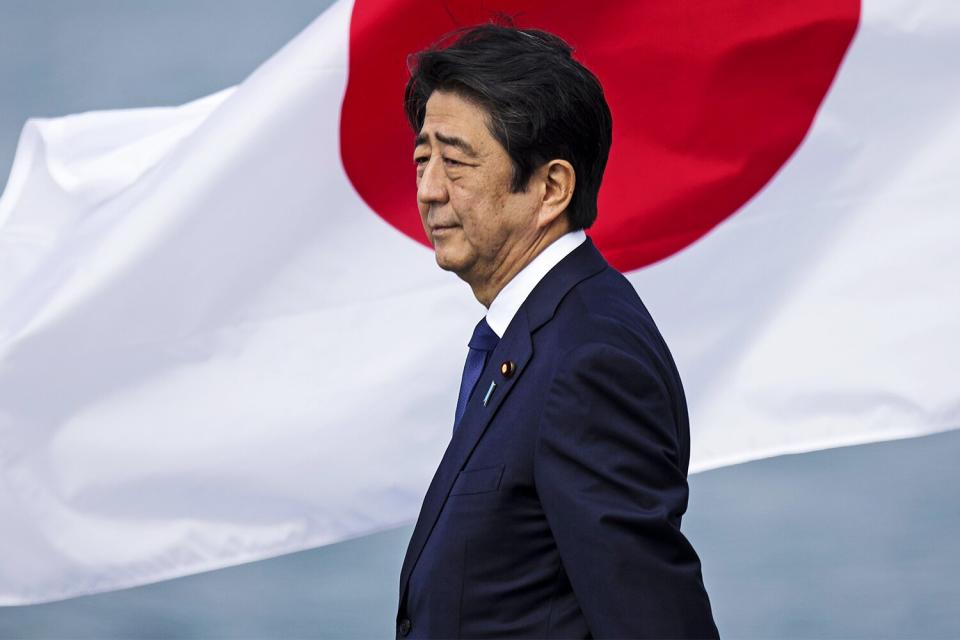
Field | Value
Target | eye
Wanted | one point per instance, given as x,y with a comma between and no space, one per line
421,160
450,162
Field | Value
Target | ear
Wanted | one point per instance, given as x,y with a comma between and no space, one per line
559,180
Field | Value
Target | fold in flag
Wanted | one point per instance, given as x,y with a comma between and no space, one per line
222,337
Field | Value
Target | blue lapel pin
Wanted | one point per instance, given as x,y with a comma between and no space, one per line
486,398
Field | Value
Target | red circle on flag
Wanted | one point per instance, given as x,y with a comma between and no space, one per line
708,102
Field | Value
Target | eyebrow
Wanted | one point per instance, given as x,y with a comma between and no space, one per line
452,141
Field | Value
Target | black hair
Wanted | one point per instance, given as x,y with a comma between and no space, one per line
541,103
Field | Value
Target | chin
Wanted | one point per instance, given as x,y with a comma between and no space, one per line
445,263
449,261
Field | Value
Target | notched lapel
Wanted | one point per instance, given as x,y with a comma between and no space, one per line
515,346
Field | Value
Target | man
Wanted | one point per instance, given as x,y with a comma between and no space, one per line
556,509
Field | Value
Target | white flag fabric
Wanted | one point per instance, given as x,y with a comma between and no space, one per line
213,350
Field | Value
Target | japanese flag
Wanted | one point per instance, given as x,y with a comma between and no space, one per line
223,337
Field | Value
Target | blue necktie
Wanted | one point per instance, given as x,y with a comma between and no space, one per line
483,341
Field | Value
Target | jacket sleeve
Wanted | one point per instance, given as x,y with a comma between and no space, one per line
609,475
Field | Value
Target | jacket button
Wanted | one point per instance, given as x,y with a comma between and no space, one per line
404,626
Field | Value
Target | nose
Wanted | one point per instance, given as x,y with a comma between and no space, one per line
431,184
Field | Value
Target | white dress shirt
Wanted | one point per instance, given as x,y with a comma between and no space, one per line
508,301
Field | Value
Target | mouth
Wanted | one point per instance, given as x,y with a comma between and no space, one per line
439,229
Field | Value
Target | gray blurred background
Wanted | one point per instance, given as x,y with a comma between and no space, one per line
860,542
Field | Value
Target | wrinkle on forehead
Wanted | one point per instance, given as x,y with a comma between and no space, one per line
456,121
451,141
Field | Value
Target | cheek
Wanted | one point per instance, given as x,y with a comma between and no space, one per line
462,194
480,207
476,199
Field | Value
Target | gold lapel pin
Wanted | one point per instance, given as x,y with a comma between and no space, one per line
507,368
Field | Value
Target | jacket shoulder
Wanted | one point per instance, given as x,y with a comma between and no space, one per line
602,322
606,309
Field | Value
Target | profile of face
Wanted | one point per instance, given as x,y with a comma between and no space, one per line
478,227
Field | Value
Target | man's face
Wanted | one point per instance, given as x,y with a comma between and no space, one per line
471,217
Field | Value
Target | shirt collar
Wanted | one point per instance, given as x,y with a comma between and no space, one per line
508,301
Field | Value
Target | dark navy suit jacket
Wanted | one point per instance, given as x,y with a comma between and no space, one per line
555,511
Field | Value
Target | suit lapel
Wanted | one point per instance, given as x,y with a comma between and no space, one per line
516,346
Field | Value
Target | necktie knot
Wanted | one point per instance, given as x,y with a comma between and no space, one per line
483,337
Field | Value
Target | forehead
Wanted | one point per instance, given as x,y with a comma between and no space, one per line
451,115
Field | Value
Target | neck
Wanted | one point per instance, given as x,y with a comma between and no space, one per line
486,289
